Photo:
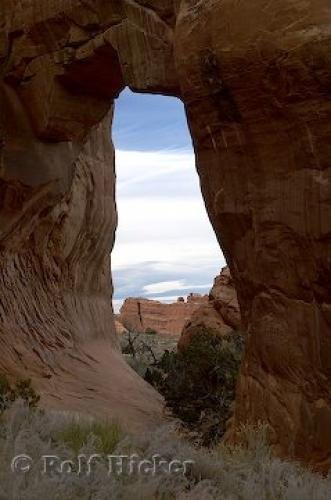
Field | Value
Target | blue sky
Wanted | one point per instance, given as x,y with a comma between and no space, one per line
147,122
165,246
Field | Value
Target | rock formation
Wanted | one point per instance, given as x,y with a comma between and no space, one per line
139,315
254,79
62,64
220,313
254,76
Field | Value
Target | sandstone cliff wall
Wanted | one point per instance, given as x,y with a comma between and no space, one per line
62,64
138,315
254,76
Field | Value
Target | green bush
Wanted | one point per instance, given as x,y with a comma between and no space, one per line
199,383
150,331
77,434
21,390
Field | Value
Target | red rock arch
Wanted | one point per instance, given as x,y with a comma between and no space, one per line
253,76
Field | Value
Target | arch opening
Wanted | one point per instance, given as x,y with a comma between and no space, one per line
165,247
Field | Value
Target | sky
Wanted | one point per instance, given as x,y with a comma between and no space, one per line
165,246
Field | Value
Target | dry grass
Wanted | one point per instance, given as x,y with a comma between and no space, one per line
249,473
77,434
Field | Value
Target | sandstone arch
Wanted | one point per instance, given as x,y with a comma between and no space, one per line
253,76
58,214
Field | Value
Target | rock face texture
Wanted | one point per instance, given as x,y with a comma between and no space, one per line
220,313
138,315
62,64
254,77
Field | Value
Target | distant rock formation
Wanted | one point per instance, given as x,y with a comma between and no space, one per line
139,314
220,313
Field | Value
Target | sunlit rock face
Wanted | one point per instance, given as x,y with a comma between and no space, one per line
220,314
139,315
253,76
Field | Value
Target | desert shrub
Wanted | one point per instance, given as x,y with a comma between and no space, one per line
141,349
77,434
129,344
199,383
22,389
226,473
138,346
150,331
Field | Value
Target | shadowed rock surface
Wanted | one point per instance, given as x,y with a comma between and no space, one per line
254,77
61,68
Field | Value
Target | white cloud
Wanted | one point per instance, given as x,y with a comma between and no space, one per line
136,167
164,286
164,240
169,286
164,229
168,298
